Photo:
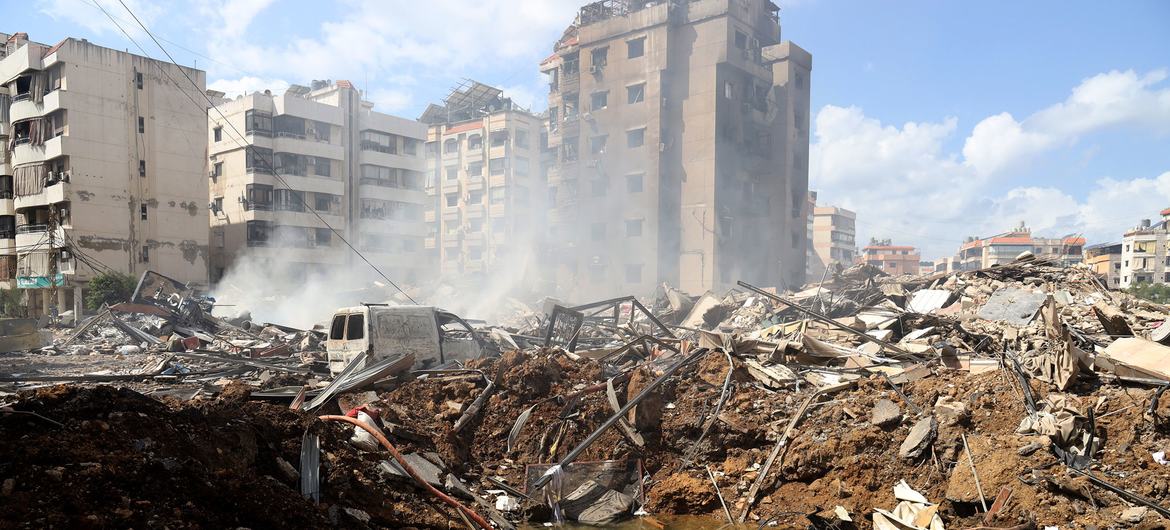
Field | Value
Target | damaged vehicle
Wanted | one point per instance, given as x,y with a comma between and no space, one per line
433,335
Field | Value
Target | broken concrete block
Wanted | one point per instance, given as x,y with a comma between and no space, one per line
919,439
886,414
950,413
1134,515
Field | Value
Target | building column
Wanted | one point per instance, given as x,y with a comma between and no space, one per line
78,303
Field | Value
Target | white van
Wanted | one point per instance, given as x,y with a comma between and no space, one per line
434,336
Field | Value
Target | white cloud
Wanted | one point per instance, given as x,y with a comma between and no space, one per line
390,100
247,85
906,185
86,14
1105,100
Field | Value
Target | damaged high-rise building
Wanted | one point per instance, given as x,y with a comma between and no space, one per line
484,184
680,131
316,164
102,168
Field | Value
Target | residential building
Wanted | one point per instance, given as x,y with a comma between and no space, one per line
946,265
833,241
810,205
1004,248
1105,260
484,183
926,267
316,164
681,139
103,169
1144,254
891,259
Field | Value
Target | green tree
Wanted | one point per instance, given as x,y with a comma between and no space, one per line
11,304
1158,293
108,288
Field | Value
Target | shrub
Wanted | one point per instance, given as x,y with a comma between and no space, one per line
108,288
1158,293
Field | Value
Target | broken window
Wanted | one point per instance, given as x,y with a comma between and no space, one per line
634,183
599,57
141,125
636,138
475,197
729,90
597,231
287,126
474,142
337,328
259,159
452,172
634,273
570,101
322,167
291,164
633,227
741,40
217,133
323,202
217,207
522,139
145,256
635,47
257,122
599,100
572,64
355,327
450,145
569,149
323,237
597,144
452,200
475,169
142,168
552,119
499,138
142,211
138,80
636,93
258,197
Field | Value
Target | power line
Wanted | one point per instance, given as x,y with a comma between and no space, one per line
239,141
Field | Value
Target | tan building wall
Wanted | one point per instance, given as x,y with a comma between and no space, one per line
344,171
892,259
834,239
1106,260
681,140
119,166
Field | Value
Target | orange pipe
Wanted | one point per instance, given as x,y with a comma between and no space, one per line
410,470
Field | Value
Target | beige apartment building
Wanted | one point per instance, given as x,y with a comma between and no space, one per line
484,184
892,259
1145,253
1105,259
981,253
341,169
103,169
681,138
833,240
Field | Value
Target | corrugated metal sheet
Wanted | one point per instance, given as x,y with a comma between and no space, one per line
928,300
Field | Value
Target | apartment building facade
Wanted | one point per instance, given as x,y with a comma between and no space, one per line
1105,260
1001,249
834,239
1145,256
103,169
892,259
680,133
315,165
485,185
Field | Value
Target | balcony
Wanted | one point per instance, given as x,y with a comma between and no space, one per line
497,180
7,205
53,194
474,183
284,142
450,186
24,109
475,211
29,237
475,238
497,210
26,57
7,244
450,242
429,243
475,265
451,214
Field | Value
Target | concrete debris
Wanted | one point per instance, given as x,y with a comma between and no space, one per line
781,408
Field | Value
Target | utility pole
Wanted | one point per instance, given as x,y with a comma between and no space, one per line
52,261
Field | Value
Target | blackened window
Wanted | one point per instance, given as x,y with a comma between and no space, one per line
355,328
141,125
635,47
636,137
256,122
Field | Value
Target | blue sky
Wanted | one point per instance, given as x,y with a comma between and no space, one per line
934,120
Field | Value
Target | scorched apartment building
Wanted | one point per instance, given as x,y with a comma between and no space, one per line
680,133
341,169
103,168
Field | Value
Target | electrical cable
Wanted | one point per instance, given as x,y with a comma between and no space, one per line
268,167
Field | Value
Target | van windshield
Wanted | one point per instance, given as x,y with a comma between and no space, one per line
356,327
337,328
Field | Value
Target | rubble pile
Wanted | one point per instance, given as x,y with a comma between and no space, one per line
1021,396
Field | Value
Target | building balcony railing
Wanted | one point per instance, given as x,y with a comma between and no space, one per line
254,205
29,229
6,194
7,234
